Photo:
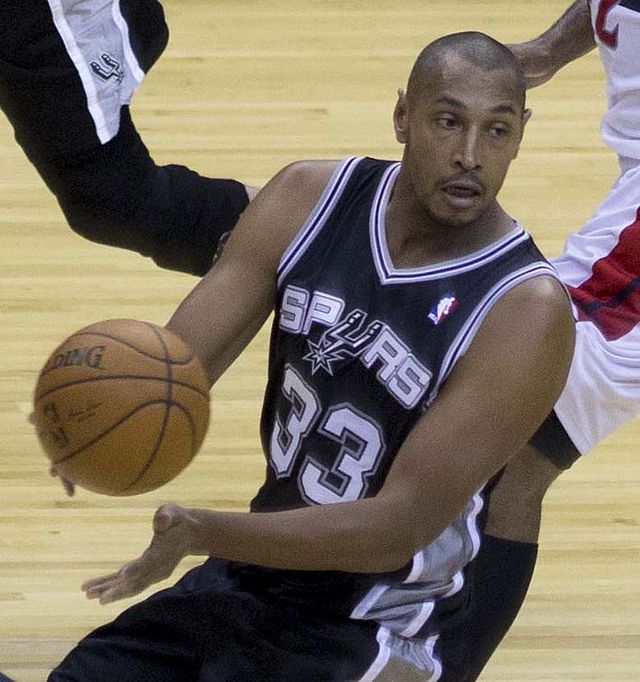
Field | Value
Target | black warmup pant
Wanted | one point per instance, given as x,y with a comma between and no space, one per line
110,192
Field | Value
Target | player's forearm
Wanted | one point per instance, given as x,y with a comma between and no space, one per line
354,536
570,37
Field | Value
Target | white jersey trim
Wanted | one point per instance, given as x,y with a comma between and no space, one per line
423,615
100,27
466,335
364,606
384,653
123,27
430,646
389,274
318,217
420,653
472,526
74,52
418,612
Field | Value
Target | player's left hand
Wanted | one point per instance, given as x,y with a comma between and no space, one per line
168,547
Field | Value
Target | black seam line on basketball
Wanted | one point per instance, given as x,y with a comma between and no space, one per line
167,411
77,382
135,348
102,434
160,439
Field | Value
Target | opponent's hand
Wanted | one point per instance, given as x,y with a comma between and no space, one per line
169,545
536,65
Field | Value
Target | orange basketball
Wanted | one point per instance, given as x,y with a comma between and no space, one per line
121,407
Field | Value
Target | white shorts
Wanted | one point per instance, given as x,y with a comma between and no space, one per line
601,267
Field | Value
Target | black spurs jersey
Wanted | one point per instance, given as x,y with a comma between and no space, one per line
359,351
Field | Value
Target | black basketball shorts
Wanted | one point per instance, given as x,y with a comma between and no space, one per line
213,626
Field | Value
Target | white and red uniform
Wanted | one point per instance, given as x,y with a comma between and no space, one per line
600,264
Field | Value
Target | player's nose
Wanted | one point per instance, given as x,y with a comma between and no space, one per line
467,153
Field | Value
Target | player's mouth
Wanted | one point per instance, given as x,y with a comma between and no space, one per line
462,194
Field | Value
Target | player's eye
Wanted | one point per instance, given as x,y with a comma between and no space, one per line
499,130
446,121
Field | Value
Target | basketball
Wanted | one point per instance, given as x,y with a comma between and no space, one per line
121,407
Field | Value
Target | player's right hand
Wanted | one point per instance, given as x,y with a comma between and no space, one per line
69,486
169,545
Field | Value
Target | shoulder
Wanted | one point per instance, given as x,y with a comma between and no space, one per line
535,312
530,326
291,195
538,298
300,183
279,210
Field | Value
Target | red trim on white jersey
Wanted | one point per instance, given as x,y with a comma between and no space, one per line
610,298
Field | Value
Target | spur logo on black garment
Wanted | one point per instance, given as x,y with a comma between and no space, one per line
352,335
107,68
347,339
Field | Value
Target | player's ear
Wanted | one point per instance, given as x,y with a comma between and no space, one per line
526,115
400,117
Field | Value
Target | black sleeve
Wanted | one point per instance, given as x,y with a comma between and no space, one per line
552,441
117,195
111,193
500,576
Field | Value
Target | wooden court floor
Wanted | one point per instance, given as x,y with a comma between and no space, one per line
244,88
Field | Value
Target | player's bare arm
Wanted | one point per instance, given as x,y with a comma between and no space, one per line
567,39
491,404
229,305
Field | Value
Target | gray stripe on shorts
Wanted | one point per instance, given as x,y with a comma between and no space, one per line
96,36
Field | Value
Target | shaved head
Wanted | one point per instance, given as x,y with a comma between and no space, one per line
477,48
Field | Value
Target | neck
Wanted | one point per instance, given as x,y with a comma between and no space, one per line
415,238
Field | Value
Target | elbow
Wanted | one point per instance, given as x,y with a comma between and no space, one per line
392,543
391,557
383,559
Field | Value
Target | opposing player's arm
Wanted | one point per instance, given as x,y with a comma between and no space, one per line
570,37
229,305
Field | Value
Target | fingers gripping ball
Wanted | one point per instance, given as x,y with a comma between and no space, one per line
121,407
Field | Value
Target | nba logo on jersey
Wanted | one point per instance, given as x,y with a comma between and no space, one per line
446,305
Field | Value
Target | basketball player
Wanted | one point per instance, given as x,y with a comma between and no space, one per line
178,217
419,338
174,214
68,70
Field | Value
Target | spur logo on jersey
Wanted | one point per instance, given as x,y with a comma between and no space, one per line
373,342
346,339
445,306
107,68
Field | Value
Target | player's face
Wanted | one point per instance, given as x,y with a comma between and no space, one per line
461,133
